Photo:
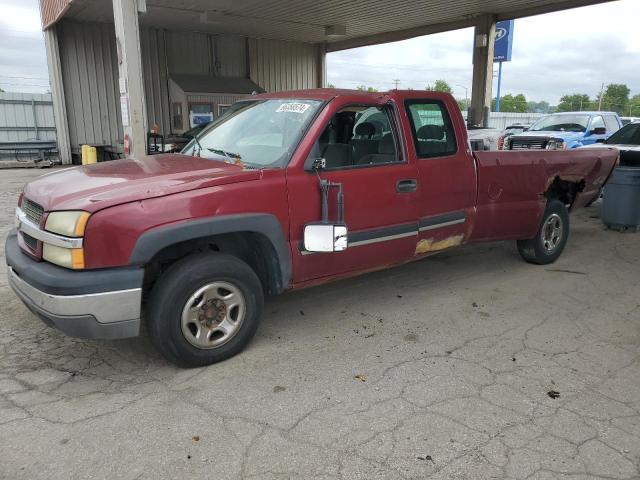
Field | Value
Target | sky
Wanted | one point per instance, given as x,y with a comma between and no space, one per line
573,51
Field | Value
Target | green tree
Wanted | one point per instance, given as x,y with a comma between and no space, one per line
574,102
511,103
331,85
440,86
634,106
538,107
364,88
615,98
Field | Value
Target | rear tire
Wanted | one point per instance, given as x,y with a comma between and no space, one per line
204,309
551,238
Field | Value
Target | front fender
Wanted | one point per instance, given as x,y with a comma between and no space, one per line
153,241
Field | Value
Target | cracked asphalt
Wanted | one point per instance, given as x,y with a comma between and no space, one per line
470,364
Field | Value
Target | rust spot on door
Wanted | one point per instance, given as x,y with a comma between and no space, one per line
428,245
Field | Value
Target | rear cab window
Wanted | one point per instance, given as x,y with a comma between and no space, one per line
612,123
431,128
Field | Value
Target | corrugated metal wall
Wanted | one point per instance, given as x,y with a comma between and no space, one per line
90,72
276,65
189,53
90,76
26,116
154,67
502,120
231,56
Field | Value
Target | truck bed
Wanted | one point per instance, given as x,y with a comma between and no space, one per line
511,186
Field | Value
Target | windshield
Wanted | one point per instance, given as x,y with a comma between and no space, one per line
628,135
256,134
561,123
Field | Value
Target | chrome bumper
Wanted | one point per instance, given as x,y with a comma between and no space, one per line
114,314
25,225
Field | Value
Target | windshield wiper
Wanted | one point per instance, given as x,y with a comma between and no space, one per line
233,156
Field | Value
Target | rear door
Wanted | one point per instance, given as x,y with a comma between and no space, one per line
364,152
446,171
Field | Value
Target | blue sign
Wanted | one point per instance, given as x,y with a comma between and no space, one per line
504,41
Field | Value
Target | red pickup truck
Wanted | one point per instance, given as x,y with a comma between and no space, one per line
286,190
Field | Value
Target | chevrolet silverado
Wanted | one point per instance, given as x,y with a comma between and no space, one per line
287,190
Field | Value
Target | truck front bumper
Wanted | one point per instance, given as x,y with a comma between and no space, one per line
87,304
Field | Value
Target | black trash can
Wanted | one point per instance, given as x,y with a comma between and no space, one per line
621,199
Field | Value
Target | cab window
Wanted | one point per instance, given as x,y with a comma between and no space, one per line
597,122
358,136
612,123
431,127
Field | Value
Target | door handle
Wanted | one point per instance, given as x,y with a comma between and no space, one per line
406,186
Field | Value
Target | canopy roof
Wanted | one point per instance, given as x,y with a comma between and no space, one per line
340,23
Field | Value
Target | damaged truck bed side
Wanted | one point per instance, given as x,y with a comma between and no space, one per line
286,190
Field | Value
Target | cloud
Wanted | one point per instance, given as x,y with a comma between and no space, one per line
573,51
564,52
23,61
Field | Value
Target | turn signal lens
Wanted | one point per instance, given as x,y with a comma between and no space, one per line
69,224
72,258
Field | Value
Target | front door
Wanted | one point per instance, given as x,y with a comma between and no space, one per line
447,174
363,151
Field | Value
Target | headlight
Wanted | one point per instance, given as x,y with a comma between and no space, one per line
69,224
556,144
65,257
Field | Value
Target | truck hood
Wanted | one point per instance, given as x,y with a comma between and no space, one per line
566,136
94,187
624,148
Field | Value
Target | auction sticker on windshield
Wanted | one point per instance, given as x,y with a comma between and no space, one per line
293,107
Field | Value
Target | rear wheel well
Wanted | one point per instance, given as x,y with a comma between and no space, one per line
564,190
255,249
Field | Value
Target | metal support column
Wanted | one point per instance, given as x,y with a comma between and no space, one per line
131,82
57,94
481,90
322,66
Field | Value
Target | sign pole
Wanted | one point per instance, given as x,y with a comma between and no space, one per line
499,82
502,50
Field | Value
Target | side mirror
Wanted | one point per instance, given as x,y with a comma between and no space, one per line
601,140
325,237
598,131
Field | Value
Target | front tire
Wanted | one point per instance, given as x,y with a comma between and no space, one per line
551,238
204,309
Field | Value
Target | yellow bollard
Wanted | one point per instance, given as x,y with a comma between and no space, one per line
92,156
85,154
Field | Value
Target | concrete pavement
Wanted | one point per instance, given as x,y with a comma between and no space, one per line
470,364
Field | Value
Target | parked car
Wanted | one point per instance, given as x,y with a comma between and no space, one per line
175,143
628,120
288,190
484,138
627,142
566,130
511,130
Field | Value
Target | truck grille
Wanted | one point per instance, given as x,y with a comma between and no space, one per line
30,242
527,143
32,210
